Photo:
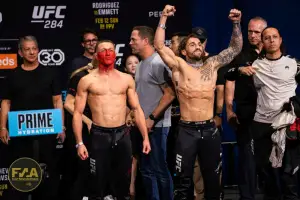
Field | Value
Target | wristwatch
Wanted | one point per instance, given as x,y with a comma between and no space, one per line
163,26
79,144
151,116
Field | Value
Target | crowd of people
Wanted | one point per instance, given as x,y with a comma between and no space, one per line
116,123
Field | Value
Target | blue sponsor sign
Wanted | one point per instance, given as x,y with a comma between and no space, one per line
34,122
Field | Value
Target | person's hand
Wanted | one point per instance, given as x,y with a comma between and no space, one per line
82,152
169,11
235,15
4,136
232,119
149,124
61,137
248,70
146,146
132,190
218,121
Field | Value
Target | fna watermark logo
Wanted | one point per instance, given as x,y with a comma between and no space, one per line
25,174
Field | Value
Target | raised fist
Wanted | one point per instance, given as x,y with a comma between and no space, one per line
169,11
235,15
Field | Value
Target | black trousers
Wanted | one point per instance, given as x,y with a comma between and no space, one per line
41,149
110,161
246,162
277,182
202,139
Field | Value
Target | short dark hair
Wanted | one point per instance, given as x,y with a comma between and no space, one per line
102,41
183,43
145,32
87,31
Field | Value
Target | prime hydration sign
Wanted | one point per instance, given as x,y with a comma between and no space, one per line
34,122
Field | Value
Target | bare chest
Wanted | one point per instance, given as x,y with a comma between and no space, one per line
195,79
108,87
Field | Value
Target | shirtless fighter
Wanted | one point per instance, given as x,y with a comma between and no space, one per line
198,134
106,91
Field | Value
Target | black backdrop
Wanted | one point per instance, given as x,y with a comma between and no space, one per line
60,23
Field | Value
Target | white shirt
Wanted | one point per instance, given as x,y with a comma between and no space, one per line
275,83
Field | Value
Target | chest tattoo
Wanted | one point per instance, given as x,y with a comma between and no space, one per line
206,73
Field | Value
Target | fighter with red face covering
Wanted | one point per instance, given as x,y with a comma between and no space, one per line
106,90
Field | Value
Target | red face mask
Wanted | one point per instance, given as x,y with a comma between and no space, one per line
106,60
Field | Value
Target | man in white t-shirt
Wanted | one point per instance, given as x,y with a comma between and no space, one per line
274,79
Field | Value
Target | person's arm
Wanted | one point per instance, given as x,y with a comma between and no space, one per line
58,104
229,96
80,102
162,77
219,104
138,114
5,108
166,53
165,101
235,46
57,98
133,176
70,105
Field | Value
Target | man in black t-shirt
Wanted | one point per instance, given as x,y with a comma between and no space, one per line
241,88
89,41
32,86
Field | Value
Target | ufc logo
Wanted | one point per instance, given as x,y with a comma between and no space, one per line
118,47
178,162
92,166
44,12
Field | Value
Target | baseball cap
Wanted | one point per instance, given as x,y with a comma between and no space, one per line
200,32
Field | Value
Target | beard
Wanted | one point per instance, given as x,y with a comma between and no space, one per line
196,57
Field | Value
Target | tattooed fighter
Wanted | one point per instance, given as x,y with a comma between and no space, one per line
195,87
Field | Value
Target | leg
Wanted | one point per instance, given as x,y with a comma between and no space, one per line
122,155
133,177
246,172
163,176
80,187
198,181
18,147
186,150
246,163
147,171
46,145
210,142
100,163
262,149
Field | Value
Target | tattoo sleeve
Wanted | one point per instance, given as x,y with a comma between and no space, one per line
235,47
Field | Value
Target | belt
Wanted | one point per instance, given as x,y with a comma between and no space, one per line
197,122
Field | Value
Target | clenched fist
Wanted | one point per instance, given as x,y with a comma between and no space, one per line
235,15
169,11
